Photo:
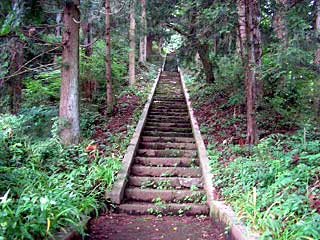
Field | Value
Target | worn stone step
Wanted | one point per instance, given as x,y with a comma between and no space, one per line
168,129
165,182
161,113
168,139
151,195
164,145
167,161
167,134
157,120
168,124
168,110
166,153
164,117
170,99
144,208
138,170
168,106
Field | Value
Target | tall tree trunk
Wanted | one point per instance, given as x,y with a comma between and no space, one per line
58,22
15,83
241,30
279,21
203,51
108,59
160,41
143,38
149,46
132,44
317,53
253,61
86,27
89,85
69,99
317,29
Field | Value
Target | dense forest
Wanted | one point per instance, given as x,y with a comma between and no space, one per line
75,76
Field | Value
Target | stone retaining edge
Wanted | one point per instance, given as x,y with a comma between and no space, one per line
117,192
219,211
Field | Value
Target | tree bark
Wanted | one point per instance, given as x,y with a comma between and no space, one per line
203,51
317,29
132,44
69,94
252,62
149,46
279,21
58,22
108,59
241,30
317,53
143,38
15,83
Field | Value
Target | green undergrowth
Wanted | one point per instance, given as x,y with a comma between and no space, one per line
273,186
45,187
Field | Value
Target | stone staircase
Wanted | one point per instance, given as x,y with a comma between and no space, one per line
165,177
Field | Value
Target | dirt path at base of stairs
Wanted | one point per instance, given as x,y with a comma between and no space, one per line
147,227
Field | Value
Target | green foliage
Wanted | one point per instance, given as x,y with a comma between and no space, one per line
45,186
289,82
43,88
270,185
93,67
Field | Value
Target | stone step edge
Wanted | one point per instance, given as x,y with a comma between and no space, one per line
141,208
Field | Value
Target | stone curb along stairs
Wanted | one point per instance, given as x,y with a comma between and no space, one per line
160,171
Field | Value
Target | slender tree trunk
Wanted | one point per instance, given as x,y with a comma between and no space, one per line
160,41
89,84
241,30
108,59
15,83
69,99
58,22
279,21
253,61
149,46
203,51
317,29
86,27
143,38
132,44
317,53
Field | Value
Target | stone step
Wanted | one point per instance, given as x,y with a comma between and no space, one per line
157,120
168,124
168,129
151,195
167,139
144,208
169,110
165,182
161,113
164,145
167,162
169,99
166,118
138,170
167,134
166,153
169,104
